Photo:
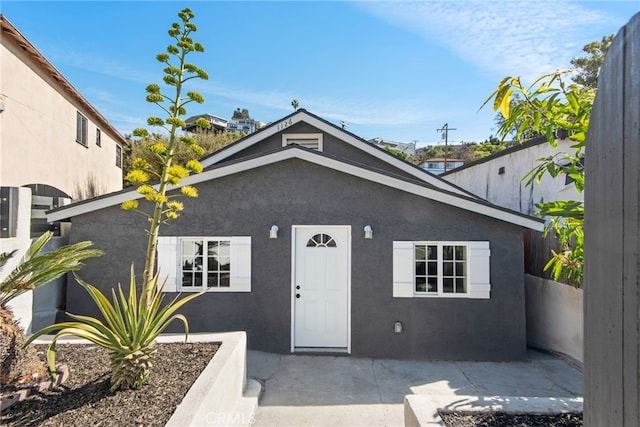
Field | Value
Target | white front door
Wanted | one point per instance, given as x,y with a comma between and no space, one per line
321,287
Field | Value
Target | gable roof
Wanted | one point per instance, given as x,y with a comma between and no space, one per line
12,33
303,115
378,176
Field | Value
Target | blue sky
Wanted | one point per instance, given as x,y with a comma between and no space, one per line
390,69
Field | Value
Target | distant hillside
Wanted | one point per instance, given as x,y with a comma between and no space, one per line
467,151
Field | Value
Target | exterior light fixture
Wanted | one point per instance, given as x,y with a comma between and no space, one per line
397,327
273,233
368,232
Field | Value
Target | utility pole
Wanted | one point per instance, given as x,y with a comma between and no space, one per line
445,134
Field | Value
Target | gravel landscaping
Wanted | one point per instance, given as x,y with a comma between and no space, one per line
501,419
84,399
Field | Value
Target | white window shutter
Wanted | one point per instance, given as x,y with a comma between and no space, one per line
479,271
403,269
241,264
167,264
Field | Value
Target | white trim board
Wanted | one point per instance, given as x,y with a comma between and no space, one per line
293,152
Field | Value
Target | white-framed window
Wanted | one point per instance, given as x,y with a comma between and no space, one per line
98,138
441,269
308,140
82,129
214,264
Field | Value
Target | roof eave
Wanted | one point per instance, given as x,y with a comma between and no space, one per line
321,159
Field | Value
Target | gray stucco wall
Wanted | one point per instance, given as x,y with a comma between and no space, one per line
295,192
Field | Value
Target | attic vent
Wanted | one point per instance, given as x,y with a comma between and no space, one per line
308,140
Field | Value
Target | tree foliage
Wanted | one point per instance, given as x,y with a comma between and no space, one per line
588,67
551,105
585,73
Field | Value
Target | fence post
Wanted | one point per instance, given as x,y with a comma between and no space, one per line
612,239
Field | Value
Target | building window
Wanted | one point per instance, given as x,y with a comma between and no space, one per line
206,263
308,140
98,138
82,130
215,264
321,241
441,269
118,156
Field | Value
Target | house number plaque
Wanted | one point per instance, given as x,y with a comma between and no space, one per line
284,124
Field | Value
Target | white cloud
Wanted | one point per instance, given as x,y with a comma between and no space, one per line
370,112
98,64
499,37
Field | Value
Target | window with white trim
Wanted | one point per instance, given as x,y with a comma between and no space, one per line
441,269
215,264
308,140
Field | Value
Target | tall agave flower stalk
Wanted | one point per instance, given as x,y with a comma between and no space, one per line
131,323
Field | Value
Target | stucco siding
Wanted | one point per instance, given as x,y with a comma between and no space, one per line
295,192
38,133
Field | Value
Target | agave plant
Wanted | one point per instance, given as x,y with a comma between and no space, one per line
128,333
34,269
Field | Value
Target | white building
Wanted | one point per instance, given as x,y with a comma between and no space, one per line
241,122
409,148
437,165
498,178
51,138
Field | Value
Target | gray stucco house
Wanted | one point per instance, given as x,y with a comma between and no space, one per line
317,241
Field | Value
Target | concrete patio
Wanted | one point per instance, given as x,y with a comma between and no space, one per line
344,391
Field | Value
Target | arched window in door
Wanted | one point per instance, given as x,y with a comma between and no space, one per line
321,241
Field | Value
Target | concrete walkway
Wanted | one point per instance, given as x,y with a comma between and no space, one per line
346,391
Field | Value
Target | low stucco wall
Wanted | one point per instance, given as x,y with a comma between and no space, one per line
554,317
222,395
22,306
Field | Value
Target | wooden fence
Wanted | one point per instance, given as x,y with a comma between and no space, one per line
612,239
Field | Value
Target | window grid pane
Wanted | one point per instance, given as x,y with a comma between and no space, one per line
440,269
426,268
205,263
218,263
454,269
191,263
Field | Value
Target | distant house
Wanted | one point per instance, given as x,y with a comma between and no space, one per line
409,148
437,165
52,139
217,124
241,122
314,240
